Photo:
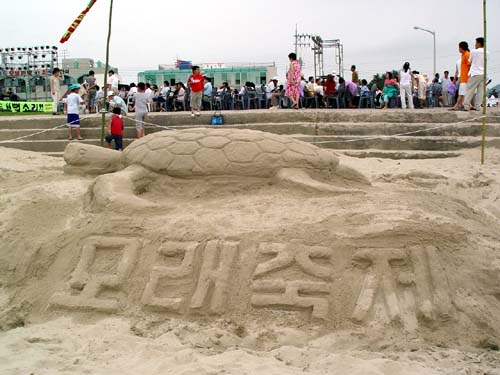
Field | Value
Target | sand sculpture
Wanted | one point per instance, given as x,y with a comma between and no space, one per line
254,228
208,152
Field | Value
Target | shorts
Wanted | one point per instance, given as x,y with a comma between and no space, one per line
118,140
73,119
140,117
462,89
196,99
92,95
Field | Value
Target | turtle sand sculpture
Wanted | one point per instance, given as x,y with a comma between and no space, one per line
198,153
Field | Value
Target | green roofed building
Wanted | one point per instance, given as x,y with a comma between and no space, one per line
234,75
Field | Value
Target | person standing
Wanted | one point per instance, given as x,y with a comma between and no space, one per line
113,82
293,81
421,86
445,84
405,85
463,48
141,109
91,92
195,83
476,76
73,102
55,89
354,77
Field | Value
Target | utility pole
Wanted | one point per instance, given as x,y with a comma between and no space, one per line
106,68
296,39
301,40
483,128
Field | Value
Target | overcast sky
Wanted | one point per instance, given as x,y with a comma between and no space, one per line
377,35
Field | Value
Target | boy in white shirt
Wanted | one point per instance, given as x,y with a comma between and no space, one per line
141,108
72,107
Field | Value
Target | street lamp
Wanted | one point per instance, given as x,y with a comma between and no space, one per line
434,35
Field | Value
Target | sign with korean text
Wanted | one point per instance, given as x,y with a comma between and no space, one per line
7,106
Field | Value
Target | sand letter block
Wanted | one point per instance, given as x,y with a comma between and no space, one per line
183,251
215,272
287,254
292,295
378,276
406,285
105,264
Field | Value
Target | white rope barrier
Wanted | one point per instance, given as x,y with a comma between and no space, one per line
400,134
42,131
321,142
173,128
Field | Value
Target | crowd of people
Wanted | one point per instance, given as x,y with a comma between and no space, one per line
405,88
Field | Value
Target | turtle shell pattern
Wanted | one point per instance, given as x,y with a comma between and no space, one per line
207,151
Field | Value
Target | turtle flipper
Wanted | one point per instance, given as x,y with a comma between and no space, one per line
300,178
120,189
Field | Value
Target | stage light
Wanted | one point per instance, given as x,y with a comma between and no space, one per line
55,59
30,49
36,48
43,56
24,49
12,57
19,57
54,48
1,50
35,56
12,49
47,47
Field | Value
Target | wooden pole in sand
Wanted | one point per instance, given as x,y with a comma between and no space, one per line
106,68
483,130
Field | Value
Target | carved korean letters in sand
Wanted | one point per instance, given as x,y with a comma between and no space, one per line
248,226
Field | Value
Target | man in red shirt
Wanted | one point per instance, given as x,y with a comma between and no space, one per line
195,83
115,130
330,89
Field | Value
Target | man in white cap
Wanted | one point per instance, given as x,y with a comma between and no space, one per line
273,93
116,101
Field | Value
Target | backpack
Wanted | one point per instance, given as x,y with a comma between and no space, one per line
217,119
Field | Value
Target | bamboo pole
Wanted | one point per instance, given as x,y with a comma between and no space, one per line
483,129
106,68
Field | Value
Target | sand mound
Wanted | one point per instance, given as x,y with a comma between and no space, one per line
404,262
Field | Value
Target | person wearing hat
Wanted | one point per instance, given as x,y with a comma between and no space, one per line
273,93
116,101
72,108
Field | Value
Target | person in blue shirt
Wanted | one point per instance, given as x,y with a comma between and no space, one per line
364,91
207,91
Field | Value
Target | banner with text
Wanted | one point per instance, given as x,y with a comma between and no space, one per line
25,107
